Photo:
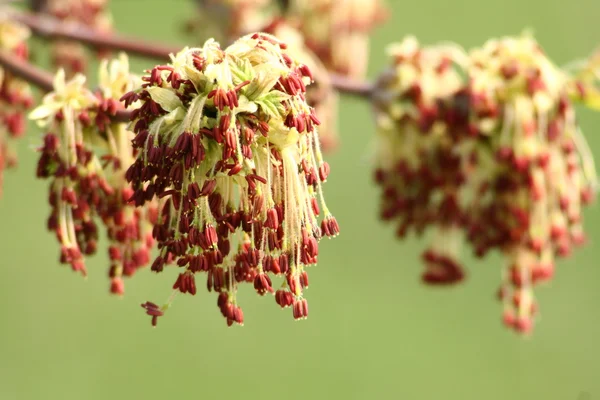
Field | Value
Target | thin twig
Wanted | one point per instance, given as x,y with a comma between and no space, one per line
350,86
47,26
42,78
50,27
26,71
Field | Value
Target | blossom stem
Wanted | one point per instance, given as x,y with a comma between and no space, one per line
50,27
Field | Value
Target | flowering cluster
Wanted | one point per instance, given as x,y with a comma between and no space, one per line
486,144
228,142
85,155
540,171
15,93
94,14
129,229
422,108
338,31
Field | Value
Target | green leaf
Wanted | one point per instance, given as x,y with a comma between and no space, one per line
166,98
262,83
244,105
271,102
241,69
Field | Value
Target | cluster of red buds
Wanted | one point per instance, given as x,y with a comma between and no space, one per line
85,156
485,144
228,142
15,94
71,55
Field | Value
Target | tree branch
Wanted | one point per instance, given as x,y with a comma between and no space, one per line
50,27
26,71
41,78
350,86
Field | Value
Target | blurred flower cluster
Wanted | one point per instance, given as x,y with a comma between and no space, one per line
85,155
227,20
338,31
326,35
227,141
485,144
70,55
15,93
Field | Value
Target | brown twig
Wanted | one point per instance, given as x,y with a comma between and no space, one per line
50,27
26,71
350,86
41,78
47,26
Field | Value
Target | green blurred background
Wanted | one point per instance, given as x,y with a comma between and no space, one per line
373,331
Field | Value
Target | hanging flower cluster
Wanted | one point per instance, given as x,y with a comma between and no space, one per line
15,94
85,155
338,31
540,170
70,55
227,140
422,117
488,145
129,229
